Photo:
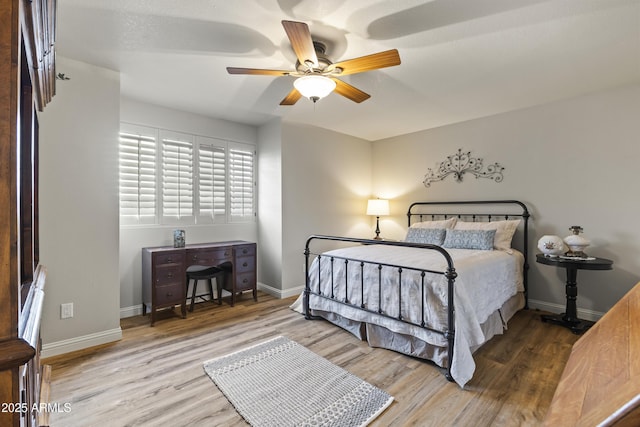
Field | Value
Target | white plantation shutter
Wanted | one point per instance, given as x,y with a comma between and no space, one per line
212,181
137,175
241,182
177,178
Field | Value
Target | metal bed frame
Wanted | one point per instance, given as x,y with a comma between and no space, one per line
420,211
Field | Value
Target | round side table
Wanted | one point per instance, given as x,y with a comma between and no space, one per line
569,319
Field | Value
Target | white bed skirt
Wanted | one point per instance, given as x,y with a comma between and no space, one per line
379,336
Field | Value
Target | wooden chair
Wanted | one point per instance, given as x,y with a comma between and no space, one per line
208,274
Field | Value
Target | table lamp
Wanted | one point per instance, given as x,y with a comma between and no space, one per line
377,208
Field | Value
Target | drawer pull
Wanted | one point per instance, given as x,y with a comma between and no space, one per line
245,280
245,264
169,275
169,260
195,257
226,253
244,251
169,294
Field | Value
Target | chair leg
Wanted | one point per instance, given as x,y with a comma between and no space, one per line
211,290
219,286
193,294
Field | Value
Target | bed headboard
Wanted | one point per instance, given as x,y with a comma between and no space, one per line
481,211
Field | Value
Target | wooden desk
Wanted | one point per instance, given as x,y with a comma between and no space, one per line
164,271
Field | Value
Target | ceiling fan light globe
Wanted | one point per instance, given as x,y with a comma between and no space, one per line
314,87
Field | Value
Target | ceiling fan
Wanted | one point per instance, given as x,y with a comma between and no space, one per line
316,76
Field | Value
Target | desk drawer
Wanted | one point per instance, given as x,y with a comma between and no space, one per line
245,250
245,264
211,258
169,294
174,257
245,281
169,274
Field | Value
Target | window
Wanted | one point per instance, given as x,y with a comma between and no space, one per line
241,182
212,181
176,178
137,175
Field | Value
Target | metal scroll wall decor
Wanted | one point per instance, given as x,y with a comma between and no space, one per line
460,163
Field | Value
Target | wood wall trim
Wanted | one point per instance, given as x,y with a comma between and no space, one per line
14,353
27,83
9,66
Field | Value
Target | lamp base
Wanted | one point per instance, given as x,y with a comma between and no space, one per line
377,229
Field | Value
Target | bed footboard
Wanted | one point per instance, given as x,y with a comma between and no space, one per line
349,288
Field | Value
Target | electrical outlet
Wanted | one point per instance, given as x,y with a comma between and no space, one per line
66,310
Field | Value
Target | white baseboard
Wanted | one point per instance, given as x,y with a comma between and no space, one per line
280,293
136,310
583,313
79,343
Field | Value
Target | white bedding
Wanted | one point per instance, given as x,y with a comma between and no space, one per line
486,281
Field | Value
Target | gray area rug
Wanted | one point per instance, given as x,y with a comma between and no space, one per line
281,383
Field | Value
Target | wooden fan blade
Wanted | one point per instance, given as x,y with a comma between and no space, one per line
257,71
388,58
351,92
301,42
292,97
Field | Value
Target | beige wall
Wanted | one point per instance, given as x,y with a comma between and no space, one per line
573,162
326,180
79,207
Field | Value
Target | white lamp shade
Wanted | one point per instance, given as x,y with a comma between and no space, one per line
378,207
314,87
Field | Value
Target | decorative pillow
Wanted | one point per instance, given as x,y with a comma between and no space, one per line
504,231
469,239
444,223
431,236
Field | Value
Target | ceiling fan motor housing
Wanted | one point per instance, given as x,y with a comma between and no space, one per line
323,61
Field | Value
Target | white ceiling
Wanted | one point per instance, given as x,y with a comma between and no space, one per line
461,59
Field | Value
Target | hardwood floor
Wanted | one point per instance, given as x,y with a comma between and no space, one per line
154,375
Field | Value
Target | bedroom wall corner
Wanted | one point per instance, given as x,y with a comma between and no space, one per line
326,180
134,238
270,206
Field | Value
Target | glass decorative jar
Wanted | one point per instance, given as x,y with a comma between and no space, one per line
576,242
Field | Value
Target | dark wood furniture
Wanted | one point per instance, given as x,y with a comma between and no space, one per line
163,279
164,271
27,68
600,384
569,319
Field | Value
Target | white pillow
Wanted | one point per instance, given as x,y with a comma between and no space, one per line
504,231
445,223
